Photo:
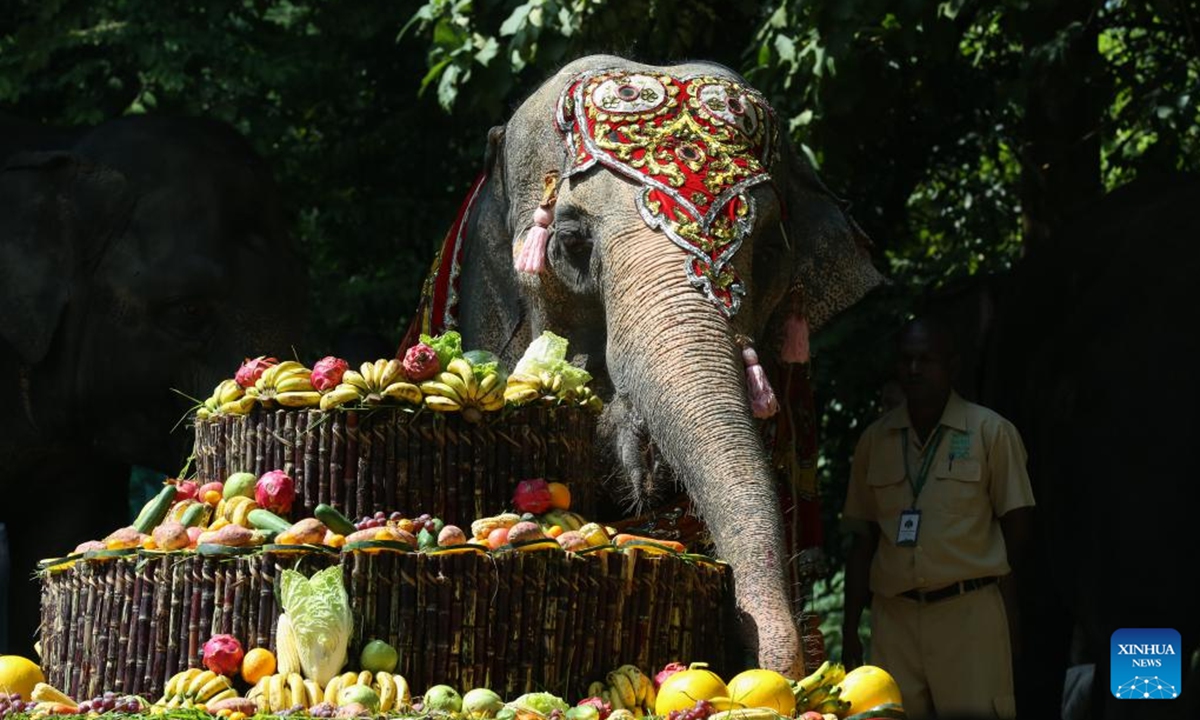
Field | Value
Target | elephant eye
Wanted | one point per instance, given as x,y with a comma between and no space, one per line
571,236
187,319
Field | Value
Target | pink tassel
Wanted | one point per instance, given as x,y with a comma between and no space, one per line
762,397
532,258
795,339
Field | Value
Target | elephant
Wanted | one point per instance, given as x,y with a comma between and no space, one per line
671,249
143,259
1088,346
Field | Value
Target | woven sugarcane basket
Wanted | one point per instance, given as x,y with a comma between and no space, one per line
393,458
514,621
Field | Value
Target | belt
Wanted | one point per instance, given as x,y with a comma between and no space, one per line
949,591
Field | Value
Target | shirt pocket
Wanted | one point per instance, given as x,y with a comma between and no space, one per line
959,486
890,491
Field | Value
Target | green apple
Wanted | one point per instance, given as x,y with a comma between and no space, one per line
239,483
360,694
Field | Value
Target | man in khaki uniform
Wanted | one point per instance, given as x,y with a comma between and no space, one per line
940,505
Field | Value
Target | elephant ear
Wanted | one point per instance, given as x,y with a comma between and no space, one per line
832,266
57,213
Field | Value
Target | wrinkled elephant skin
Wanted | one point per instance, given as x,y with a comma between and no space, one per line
141,259
663,353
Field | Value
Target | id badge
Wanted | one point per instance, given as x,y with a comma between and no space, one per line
910,525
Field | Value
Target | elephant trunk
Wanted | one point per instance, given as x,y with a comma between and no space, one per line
672,358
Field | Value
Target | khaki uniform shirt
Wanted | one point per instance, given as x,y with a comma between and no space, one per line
977,475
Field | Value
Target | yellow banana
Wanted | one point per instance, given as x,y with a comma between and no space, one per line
556,383
489,381
210,688
339,396
441,404
651,694
637,679
225,694
392,371
275,693
198,682
432,388
595,689
404,391
310,398
386,689
620,683
313,693
835,675
521,394
227,391
299,693
332,688
403,695
492,400
639,713
810,682
456,383
241,406
172,686
350,377
365,677
367,369
297,382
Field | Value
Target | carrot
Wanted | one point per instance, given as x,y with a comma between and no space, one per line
622,539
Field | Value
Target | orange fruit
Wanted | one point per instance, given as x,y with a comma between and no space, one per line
19,675
554,531
257,664
560,496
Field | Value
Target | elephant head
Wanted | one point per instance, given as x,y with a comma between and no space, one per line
140,260
676,226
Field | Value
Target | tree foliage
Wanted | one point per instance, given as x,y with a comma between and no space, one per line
959,130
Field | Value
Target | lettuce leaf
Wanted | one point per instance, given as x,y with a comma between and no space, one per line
548,353
448,346
319,609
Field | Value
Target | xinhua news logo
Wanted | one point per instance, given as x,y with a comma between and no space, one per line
1145,664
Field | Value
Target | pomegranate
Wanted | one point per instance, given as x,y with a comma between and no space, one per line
327,373
532,496
275,491
421,363
252,369
186,490
223,655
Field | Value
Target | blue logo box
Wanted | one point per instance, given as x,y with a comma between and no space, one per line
1145,664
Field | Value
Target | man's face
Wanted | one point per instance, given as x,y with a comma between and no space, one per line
924,365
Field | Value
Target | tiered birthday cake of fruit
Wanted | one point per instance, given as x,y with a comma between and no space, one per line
436,506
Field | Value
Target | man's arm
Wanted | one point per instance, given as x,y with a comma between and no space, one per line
1017,526
857,592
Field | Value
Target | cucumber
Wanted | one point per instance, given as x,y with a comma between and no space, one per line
155,510
194,515
268,521
333,519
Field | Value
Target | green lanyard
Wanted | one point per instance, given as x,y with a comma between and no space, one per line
926,461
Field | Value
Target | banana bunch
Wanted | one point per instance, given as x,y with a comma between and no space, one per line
193,687
565,519
228,397
546,386
392,689
820,691
373,383
234,511
288,384
457,388
628,688
279,692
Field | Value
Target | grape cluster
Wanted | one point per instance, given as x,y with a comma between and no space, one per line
424,521
110,702
293,710
699,711
12,703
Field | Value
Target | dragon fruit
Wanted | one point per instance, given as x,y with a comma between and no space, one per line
223,655
669,670
275,491
421,363
252,369
327,373
532,496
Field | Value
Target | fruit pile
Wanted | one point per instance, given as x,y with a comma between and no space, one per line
435,374
248,512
